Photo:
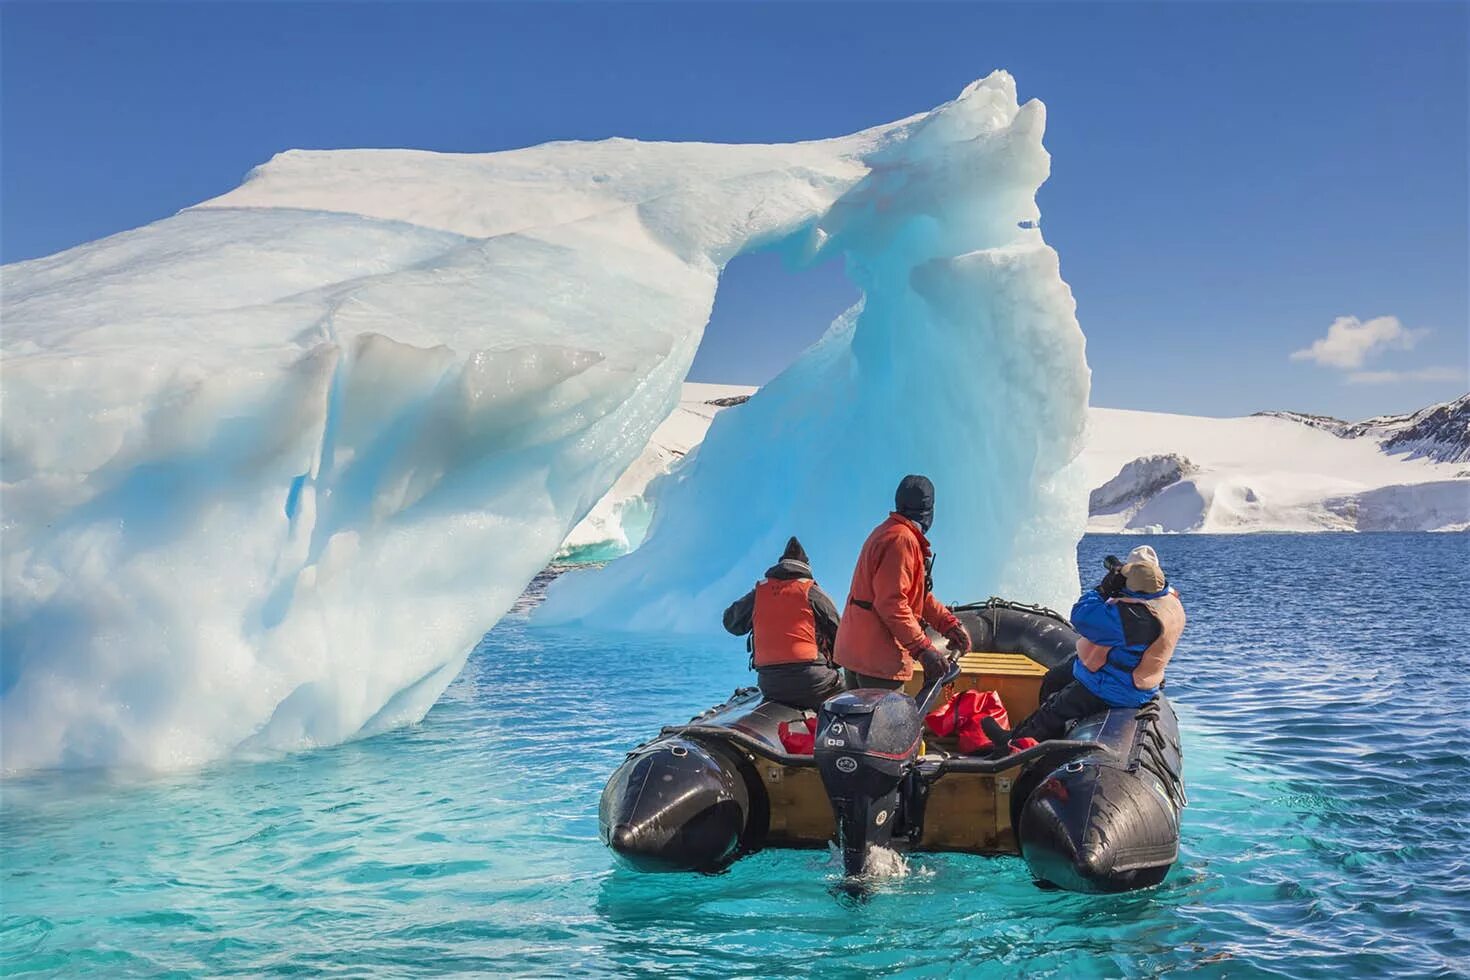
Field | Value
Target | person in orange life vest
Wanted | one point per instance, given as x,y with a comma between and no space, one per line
890,599
1128,627
792,624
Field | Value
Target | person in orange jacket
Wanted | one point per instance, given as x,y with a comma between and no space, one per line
881,633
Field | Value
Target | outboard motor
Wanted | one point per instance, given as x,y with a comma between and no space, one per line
867,740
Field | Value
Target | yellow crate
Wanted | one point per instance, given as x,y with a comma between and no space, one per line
1015,678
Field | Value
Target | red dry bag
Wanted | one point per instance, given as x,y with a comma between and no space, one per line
798,742
961,717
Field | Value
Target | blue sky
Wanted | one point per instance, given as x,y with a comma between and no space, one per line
1229,180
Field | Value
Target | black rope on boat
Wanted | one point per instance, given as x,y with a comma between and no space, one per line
995,603
985,764
1149,754
1172,785
741,694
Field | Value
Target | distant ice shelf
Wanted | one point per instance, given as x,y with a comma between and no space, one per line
1273,471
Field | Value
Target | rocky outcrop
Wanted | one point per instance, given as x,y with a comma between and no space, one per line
729,402
1338,427
1138,482
1439,432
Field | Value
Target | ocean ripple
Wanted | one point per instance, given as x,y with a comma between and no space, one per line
1321,691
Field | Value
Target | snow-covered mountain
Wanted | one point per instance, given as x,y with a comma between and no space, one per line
1440,432
1273,471
1276,472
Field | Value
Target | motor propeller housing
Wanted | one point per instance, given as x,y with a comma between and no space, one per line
866,742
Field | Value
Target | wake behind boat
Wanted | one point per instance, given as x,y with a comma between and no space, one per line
1096,811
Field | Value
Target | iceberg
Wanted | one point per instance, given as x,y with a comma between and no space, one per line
617,523
963,361
274,464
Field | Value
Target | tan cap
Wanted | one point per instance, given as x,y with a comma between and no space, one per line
1142,572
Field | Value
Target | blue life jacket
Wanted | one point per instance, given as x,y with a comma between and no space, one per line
1103,623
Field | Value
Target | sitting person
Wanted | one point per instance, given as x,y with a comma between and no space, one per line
792,624
1128,626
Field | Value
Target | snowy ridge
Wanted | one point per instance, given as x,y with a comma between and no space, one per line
1336,426
1440,432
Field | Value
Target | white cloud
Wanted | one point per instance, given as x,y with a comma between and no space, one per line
1395,377
1350,341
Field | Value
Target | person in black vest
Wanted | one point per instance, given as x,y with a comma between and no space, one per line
792,624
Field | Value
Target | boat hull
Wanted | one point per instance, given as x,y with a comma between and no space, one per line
679,804
1108,821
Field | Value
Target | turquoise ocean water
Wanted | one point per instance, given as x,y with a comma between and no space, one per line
1321,688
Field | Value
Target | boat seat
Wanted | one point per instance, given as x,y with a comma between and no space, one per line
748,713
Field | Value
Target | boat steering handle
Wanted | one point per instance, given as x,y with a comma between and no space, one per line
929,691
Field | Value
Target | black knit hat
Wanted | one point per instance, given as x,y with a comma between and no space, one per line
794,551
914,499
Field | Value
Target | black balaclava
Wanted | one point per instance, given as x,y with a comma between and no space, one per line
794,551
914,499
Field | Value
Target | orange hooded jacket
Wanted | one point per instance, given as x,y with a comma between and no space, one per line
890,576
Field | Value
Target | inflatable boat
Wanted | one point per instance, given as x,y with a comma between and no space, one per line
1096,811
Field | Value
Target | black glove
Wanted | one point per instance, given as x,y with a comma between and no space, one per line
1113,582
935,665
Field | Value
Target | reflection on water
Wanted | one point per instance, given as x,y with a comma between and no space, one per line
1323,708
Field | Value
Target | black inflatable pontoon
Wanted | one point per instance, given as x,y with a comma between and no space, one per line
1097,811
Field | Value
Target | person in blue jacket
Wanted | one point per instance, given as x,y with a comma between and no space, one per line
1127,630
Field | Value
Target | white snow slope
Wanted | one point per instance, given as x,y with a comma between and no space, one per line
1302,478
1263,473
272,465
